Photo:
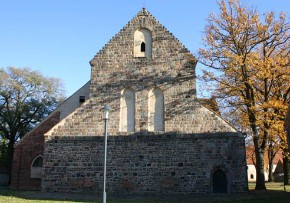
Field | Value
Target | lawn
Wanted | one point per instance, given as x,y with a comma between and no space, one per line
275,193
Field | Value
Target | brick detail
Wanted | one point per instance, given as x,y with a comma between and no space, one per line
30,147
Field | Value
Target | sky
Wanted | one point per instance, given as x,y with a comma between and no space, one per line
60,37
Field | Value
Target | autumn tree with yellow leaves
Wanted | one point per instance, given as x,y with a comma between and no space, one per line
246,56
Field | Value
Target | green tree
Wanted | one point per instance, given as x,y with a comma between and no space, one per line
26,97
246,54
3,151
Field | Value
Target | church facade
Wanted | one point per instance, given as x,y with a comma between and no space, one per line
161,138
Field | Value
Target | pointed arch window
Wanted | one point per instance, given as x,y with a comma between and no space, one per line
155,110
127,110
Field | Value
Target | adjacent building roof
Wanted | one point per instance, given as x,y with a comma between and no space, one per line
250,153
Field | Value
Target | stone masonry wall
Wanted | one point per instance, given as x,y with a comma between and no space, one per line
114,68
179,159
171,68
167,163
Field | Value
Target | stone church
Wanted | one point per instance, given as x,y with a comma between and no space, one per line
162,139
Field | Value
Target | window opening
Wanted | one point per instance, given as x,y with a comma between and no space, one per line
37,162
82,99
143,43
127,112
36,167
156,110
143,48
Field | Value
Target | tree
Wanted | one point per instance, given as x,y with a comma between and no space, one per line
3,151
26,97
245,55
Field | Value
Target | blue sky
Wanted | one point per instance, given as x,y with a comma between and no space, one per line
60,37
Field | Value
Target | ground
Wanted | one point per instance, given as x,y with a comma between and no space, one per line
275,193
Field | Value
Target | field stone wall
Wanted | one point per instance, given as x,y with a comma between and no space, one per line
179,159
167,163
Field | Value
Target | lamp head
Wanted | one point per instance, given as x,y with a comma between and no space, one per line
106,109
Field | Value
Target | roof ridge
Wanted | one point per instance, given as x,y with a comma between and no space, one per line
143,12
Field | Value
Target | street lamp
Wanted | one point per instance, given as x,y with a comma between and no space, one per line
105,109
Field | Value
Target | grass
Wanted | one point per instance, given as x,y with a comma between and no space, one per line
275,193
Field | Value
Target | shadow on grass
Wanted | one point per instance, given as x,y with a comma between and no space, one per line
39,196
269,196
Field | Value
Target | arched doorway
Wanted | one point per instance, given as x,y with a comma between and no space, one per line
219,182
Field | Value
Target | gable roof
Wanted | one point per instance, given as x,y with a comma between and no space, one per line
60,112
250,156
171,68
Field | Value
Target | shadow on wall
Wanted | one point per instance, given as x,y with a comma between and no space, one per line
139,76
170,163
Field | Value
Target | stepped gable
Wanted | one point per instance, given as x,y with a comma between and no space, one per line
158,131
168,57
141,14
169,67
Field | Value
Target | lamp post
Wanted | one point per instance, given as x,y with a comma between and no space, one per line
105,109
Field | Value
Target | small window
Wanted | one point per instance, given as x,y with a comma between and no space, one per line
36,167
143,43
82,99
143,47
37,162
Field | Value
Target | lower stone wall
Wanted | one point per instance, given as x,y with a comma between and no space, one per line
166,163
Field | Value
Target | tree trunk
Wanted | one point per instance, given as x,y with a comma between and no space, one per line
286,162
270,158
270,176
10,152
286,170
260,176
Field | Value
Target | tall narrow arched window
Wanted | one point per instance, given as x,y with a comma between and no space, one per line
155,110
127,110
143,43
36,167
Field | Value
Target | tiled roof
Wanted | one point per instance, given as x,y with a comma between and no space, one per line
250,154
